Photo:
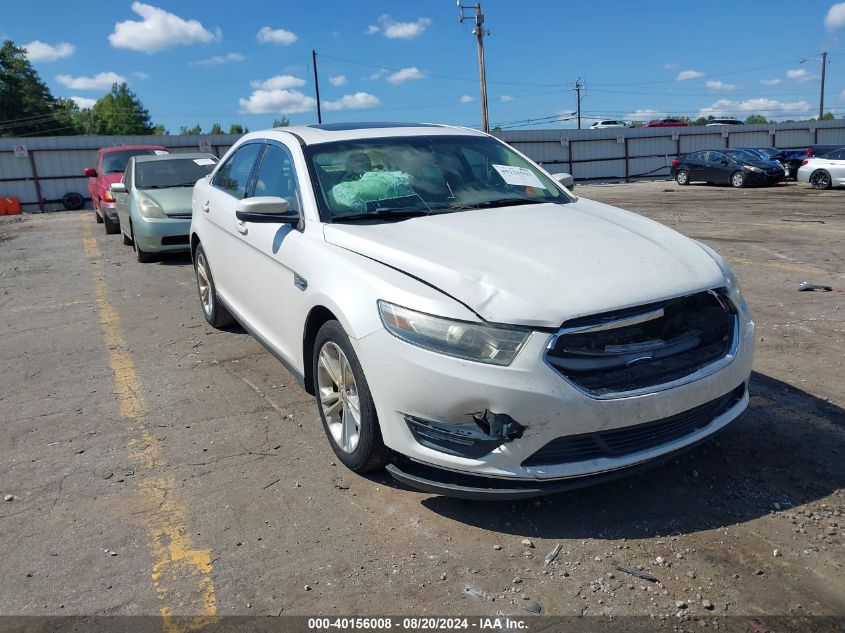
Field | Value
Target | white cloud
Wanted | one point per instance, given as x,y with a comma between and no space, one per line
406,74
766,107
466,99
337,80
266,35
84,102
278,82
38,51
645,114
670,66
353,102
842,95
277,102
393,30
800,75
504,98
835,17
770,82
100,81
381,72
158,30
720,85
686,75
219,60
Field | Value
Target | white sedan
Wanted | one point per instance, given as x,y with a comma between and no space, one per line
461,318
825,171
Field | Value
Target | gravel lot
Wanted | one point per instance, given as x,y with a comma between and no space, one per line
201,482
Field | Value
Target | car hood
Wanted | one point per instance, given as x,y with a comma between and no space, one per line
538,265
173,201
761,164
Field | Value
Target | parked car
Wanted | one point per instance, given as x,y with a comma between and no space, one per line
723,122
111,163
153,201
735,167
460,317
793,159
608,123
667,123
824,171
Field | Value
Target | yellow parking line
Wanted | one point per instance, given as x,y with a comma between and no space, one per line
181,573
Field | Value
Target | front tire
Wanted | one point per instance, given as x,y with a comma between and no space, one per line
97,216
345,403
820,179
215,312
738,179
127,241
143,256
682,177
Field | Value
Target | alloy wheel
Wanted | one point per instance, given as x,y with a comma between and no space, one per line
337,392
820,180
204,284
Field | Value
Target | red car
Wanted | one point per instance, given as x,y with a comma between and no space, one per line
111,163
667,123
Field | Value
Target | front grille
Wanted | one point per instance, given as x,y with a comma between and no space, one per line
647,346
633,439
174,240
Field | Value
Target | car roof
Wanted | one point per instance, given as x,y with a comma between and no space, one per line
177,156
329,132
123,148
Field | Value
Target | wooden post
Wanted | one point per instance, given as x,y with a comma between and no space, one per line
37,183
627,168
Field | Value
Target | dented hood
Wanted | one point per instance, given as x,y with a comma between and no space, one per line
538,265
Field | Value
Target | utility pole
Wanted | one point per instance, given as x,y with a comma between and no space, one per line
479,31
821,96
316,85
578,86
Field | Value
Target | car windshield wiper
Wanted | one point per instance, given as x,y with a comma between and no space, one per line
498,202
392,213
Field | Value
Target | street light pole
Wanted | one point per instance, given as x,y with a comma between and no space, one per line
479,31
821,95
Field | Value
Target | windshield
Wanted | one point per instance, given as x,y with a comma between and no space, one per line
768,152
741,155
424,174
114,162
172,172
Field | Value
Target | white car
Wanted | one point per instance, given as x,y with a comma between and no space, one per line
600,125
824,172
461,318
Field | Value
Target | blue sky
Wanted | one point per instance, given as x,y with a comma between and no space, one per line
213,61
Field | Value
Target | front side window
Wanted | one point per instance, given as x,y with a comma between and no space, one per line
171,172
741,155
277,177
233,175
424,173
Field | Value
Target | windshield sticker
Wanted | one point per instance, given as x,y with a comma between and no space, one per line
519,176
203,161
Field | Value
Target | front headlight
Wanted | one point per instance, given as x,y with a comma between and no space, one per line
753,168
731,282
148,208
472,341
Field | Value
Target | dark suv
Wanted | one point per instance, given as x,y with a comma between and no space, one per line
735,167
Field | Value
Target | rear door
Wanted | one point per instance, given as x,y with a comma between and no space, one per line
695,164
213,204
836,166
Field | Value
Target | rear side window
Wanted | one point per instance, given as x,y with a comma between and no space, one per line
233,175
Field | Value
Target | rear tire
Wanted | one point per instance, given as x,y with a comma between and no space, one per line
820,179
97,216
682,177
738,179
345,404
112,227
215,312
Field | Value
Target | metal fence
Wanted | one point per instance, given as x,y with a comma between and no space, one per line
637,153
43,170
40,171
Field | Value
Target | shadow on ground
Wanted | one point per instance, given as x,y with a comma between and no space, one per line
787,448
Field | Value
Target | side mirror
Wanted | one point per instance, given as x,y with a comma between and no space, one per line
565,179
117,187
90,172
266,209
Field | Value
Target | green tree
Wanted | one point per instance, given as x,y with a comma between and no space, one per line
759,119
120,113
191,131
828,116
160,130
237,128
27,107
283,122
216,129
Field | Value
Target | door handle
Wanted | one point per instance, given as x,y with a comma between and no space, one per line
206,206
243,229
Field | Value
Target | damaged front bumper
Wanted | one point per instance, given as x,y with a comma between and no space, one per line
465,419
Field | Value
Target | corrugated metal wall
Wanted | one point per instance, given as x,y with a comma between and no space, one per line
58,162
648,152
